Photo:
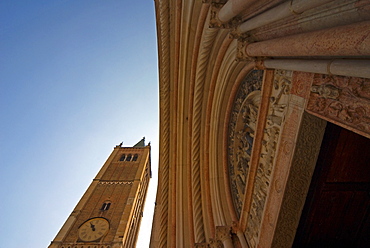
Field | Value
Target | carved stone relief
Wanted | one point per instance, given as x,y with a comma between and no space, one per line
241,134
343,100
275,118
301,84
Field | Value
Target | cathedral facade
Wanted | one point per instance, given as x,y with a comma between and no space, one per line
264,123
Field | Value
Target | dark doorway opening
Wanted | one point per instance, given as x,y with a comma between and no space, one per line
337,208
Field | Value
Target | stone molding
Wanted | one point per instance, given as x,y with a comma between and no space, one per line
307,149
163,26
202,63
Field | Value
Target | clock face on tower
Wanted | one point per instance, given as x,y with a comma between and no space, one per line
93,229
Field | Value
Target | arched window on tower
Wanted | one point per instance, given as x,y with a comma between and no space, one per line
122,157
129,157
135,157
105,206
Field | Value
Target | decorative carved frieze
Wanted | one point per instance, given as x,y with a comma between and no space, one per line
344,100
275,117
241,133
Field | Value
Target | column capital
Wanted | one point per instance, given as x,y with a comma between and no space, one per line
223,233
241,50
201,245
215,22
235,227
215,243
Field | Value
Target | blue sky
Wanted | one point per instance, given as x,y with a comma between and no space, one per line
76,79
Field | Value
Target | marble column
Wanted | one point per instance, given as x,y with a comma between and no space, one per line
345,41
342,67
279,12
232,8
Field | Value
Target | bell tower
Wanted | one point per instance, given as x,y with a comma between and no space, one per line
109,213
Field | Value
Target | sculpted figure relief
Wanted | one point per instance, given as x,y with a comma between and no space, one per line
242,128
342,99
241,133
326,91
279,101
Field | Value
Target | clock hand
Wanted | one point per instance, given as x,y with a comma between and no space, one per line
92,226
